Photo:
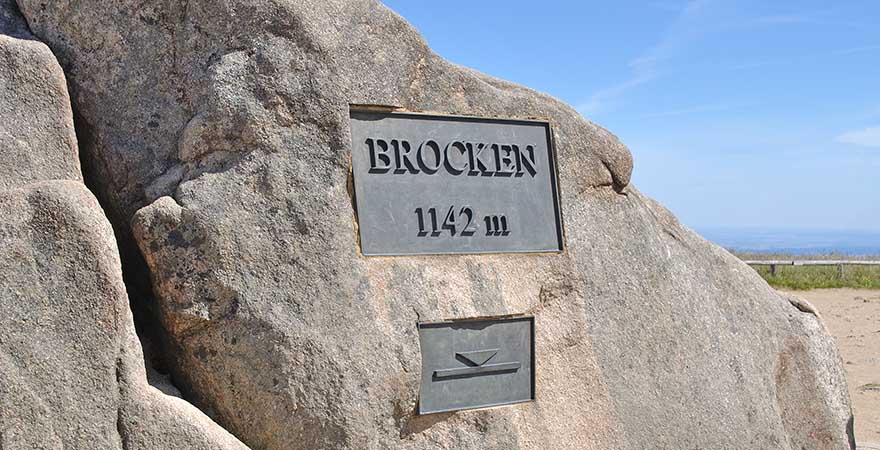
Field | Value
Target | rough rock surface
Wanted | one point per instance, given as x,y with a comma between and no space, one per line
226,124
36,125
73,373
71,369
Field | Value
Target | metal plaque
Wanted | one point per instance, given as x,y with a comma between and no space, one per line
427,184
476,364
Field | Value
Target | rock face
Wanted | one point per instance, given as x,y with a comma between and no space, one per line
73,373
221,130
72,369
37,126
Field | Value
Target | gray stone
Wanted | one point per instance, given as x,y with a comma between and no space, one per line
226,124
72,373
37,124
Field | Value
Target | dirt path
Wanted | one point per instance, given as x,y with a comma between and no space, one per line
853,316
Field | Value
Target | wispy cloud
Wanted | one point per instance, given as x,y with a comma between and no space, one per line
646,67
813,18
821,17
672,6
781,20
600,98
850,51
696,110
867,137
806,57
694,21
759,64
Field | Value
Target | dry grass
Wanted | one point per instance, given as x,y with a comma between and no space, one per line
817,277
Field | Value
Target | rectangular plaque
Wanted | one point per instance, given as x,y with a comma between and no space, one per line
428,184
476,363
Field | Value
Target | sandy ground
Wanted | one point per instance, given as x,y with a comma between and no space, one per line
853,316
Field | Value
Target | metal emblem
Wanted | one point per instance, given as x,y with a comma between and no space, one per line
428,184
476,363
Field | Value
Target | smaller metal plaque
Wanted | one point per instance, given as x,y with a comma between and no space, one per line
476,364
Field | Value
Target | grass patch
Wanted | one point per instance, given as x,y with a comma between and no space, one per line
819,277
814,257
816,277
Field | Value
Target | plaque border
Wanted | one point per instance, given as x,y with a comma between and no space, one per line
517,318
355,109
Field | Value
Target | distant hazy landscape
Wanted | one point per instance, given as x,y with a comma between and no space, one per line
755,244
795,242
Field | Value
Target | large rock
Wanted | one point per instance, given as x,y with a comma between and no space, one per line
73,373
226,123
37,141
71,369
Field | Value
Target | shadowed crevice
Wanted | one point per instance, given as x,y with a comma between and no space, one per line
135,273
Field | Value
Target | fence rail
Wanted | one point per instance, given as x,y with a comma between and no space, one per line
773,263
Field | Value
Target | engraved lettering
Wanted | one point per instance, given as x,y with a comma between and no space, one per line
434,185
496,225
469,228
461,150
449,221
526,161
504,230
456,158
505,164
435,165
476,155
421,219
380,161
458,222
434,231
403,159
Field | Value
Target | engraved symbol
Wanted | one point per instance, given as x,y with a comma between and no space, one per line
476,365
479,357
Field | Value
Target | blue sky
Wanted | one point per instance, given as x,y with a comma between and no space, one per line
738,113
